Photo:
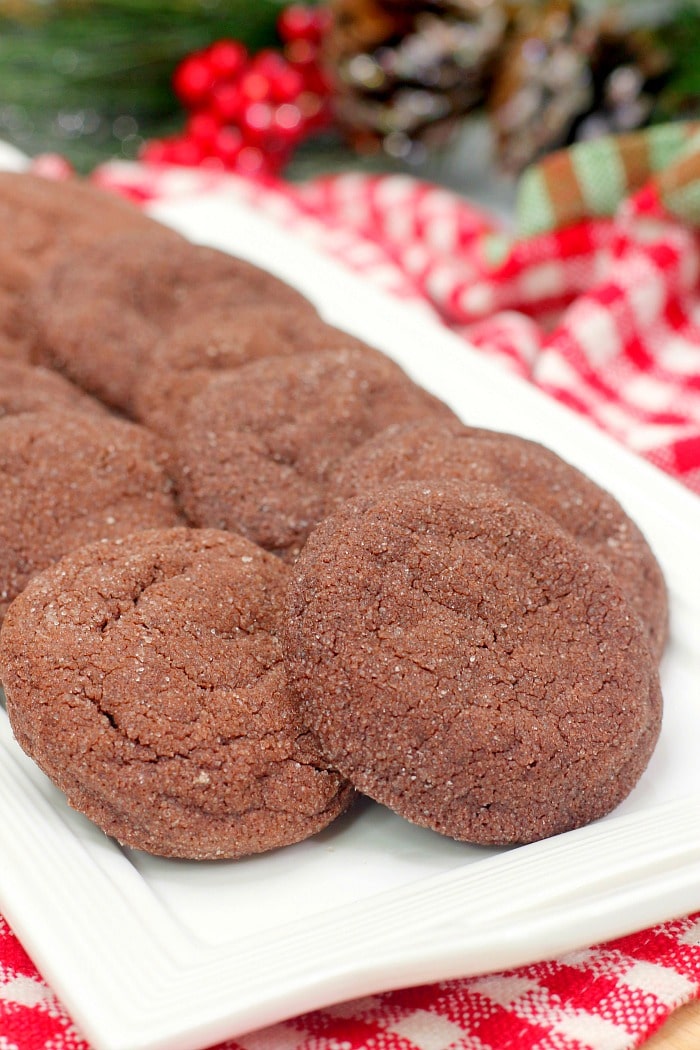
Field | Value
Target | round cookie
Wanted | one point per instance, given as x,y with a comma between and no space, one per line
182,363
259,444
66,480
40,220
529,472
102,310
27,388
466,663
145,676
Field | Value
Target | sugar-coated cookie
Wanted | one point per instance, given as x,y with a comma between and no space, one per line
530,472
464,662
145,676
259,445
100,312
183,362
66,480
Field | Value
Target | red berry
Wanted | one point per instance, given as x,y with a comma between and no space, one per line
227,102
212,163
184,151
272,76
288,126
154,152
193,80
317,79
301,22
268,62
254,86
301,53
286,84
251,161
226,59
256,121
228,145
176,150
203,127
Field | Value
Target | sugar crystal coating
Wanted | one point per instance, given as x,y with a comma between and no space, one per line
145,676
432,450
102,311
68,479
464,663
221,340
259,445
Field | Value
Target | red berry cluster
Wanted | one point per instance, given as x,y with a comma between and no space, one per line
248,113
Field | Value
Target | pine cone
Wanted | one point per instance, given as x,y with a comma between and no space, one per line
565,76
405,72
628,71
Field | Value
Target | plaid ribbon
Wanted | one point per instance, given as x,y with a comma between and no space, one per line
595,299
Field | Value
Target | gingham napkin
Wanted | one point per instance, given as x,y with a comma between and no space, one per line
595,298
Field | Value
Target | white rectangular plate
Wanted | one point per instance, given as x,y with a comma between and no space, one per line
149,953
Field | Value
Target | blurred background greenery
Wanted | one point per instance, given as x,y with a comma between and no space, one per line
92,78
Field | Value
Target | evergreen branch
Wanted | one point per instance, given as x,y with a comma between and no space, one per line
108,59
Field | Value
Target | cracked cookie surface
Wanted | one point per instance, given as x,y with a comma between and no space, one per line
182,364
103,309
260,444
465,663
145,676
66,480
530,472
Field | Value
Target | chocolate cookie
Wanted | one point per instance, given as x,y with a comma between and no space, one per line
102,310
183,362
24,388
145,676
259,445
40,220
466,663
66,480
531,473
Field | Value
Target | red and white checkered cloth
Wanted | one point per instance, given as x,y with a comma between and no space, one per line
603,313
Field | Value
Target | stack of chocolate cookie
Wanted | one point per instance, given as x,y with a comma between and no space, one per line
249,567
